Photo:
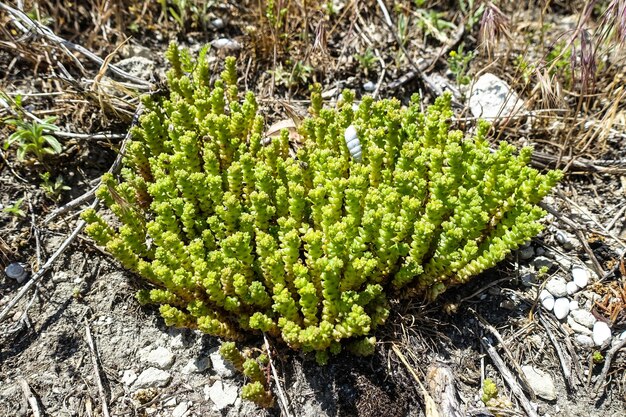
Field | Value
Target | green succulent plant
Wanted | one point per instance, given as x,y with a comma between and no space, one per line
237,236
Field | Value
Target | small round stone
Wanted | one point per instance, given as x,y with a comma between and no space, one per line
572,288
561,308
601,333
580,276
584,340
369,86
557,287
16,271
573,305
548,303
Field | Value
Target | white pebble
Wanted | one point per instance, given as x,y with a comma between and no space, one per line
544,294
548,303
601,333
353,143
369,86
584,317
580,276
572,287
584,340
557,287
226,44
577,327
561,308
573,305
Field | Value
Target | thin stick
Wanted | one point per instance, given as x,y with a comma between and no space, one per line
70,205
608,358
429,403
487,326
565,367
508,377
30,398
282,400
96,370
65,45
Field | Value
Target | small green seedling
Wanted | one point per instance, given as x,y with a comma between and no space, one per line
31,137
16,209
53,189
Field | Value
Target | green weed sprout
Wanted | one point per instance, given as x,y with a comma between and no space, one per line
31,138
237,237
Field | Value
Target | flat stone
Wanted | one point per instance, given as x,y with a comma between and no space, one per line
160,357
128,377
577,327
223,394
557,287
580,276
493,98
181,409
137,66
152,377
561,307
584,340
541,382
572,288
601,333
226,44
196,366
584,318
220,366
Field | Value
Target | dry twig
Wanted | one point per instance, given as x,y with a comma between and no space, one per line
30,398
508,377
96,370
608,359
282,399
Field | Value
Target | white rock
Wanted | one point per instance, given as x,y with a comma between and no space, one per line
584,340
601,333
226,44
561,307
564,261
544,294
223,394
493,98
171,402
573,305
160,357
177,341
221,367
577,327
218,23
548,303
152,377
195,366
540,382
369,86
623,335
137,66
557,287
584,318
580,276
181,409
128,377
572,288
564,239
